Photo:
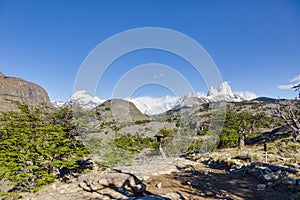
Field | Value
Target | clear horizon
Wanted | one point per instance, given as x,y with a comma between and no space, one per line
255,44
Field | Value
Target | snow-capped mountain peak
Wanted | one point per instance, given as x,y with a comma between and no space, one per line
212,91
84,100
224,89
224,93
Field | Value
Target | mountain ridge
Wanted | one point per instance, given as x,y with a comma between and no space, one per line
153,106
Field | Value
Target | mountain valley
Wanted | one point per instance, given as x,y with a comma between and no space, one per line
84,144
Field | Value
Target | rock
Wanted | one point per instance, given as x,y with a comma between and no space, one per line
150,197
144,178
158,185
268,177
271,177
261,186
16,89
269,184
288,181
244,155
53,186
140,188
174,196
85,187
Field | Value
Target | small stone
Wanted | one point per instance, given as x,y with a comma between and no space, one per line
268,177
202,194
53,186
144,178
174,196
269,183
158,185
140,188
288,181
261,186
84,186
62,191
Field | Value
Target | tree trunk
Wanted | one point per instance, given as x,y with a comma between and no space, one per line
242,141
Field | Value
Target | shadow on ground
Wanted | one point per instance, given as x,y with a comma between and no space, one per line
203,182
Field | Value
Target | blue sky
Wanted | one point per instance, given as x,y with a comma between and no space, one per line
255,44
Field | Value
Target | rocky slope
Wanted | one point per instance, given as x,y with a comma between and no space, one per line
119,110
16,89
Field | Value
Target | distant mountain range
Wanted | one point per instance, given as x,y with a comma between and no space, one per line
153,106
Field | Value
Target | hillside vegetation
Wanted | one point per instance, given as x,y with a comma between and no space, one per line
38,145
34,146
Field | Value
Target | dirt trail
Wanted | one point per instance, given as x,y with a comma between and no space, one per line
192,180
167,179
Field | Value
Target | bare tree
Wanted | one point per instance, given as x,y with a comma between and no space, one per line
291,117
297,88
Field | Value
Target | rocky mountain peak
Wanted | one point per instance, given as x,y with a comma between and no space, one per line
2,75
224,89
212,91
16,89
84,100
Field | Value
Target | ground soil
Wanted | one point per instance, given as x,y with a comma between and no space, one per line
167,179
203,182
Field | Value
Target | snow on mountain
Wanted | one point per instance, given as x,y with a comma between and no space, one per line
247,95
212,91
224,93
84,100
153,106
58,103
225,89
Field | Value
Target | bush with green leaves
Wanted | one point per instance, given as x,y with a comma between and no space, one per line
134,143
240,126
35,145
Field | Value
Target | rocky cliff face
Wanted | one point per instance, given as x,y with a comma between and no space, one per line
17,89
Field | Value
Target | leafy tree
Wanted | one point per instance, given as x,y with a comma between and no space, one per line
34,145
238,126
